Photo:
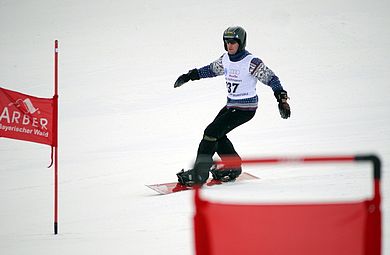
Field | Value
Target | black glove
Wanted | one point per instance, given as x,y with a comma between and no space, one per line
284,107
191,75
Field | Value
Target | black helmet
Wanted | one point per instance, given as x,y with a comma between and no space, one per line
236,33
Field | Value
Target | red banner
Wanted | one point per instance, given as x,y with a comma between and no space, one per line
26,117
321,229
353,227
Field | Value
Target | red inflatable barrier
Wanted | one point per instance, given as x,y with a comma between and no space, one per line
294,229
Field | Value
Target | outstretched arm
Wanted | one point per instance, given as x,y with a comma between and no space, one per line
267,76
209,71
264,74
191,75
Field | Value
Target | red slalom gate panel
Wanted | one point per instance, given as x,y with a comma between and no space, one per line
294,229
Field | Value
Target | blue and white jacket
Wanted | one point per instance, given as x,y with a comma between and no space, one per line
241,67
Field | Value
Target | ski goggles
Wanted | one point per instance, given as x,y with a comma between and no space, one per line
231,41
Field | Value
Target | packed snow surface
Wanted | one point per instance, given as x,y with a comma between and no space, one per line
123,125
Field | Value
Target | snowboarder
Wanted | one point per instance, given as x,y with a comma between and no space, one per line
241,70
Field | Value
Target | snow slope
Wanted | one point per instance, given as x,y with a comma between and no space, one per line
123,125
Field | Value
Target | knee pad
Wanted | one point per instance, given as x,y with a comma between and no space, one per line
209,138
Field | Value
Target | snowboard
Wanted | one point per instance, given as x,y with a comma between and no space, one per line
173,187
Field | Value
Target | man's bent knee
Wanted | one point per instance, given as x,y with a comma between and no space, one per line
209,138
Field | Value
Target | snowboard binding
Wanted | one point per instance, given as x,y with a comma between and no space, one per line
225,175
189,178
186,178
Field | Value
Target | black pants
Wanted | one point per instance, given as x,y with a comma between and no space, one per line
215,139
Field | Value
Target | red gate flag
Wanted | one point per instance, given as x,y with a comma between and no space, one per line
27,118
33,119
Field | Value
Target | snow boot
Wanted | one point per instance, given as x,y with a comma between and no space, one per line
225,175
189,178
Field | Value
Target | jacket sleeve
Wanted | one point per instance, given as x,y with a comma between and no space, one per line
265,75
212,70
